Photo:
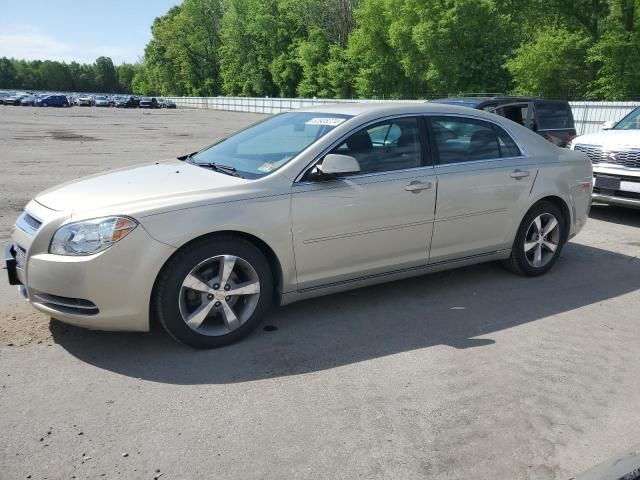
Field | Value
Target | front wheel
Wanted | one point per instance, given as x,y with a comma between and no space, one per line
539,240
213,292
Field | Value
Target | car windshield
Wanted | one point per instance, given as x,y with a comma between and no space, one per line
270,144
630,122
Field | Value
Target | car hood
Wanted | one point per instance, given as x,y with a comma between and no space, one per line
140,189
611,139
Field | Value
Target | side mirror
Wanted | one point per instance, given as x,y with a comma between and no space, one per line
608,125
335,164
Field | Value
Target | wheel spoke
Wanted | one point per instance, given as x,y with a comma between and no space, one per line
226,267
248,288
230,319
549,227
194,283
537,257
549,245
538,224
199,314
528,246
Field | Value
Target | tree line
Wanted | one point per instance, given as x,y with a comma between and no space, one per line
385,49
101,76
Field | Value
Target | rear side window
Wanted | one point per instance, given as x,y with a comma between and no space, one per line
553,115
465,140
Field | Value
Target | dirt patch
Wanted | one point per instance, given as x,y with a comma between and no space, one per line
71,136
21,325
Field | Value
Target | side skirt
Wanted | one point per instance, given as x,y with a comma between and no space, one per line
360,282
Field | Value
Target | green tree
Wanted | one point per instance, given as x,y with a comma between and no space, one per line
552,65
106,79
7,73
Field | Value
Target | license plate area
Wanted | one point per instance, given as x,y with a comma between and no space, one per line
608,183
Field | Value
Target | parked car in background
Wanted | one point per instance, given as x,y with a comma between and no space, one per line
351,189
552,119
149,102
52,101
85,101
14,99
127,102
615,154
101,101
4,95
28,101
166,103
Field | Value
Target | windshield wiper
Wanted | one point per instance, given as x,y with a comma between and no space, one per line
226,169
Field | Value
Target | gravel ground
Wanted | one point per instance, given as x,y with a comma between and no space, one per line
472,373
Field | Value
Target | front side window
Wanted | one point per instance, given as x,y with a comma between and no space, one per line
630,122
385,146
270,144
464,140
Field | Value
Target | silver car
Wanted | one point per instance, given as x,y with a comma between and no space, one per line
302,204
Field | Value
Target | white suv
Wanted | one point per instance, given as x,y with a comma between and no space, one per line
615,154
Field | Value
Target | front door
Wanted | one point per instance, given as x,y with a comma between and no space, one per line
373,222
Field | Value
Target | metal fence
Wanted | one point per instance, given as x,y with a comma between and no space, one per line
588,116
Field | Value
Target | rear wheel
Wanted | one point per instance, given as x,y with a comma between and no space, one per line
539,240
214,292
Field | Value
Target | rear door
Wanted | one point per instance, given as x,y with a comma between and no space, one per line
484,182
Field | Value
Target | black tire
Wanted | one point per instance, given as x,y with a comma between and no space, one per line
166,301
518,262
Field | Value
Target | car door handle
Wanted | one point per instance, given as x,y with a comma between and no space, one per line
417,187
518,174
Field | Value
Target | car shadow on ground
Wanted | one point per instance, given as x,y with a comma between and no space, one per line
448,308
619,215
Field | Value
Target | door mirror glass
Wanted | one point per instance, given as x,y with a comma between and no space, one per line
608,125
335,164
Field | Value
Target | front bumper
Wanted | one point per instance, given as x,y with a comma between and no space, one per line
110,290
616,187
11,265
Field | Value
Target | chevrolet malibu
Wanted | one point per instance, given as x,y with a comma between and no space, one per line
299,205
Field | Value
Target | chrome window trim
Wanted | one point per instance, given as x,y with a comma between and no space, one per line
484,160
523,151
357,176
427,116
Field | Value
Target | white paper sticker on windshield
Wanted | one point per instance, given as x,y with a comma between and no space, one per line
330,121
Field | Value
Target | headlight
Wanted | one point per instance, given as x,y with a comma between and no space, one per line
90,236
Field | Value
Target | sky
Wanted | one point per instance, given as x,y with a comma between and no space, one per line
80,30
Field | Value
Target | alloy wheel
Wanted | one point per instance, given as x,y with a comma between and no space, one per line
219,295
542,240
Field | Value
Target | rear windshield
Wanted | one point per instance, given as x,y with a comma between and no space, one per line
551,115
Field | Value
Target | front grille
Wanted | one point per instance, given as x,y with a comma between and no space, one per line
76,306
623,158
21,256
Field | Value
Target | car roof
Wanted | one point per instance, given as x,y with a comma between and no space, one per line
394,108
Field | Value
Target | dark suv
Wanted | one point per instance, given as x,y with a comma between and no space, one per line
551,119
149,102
